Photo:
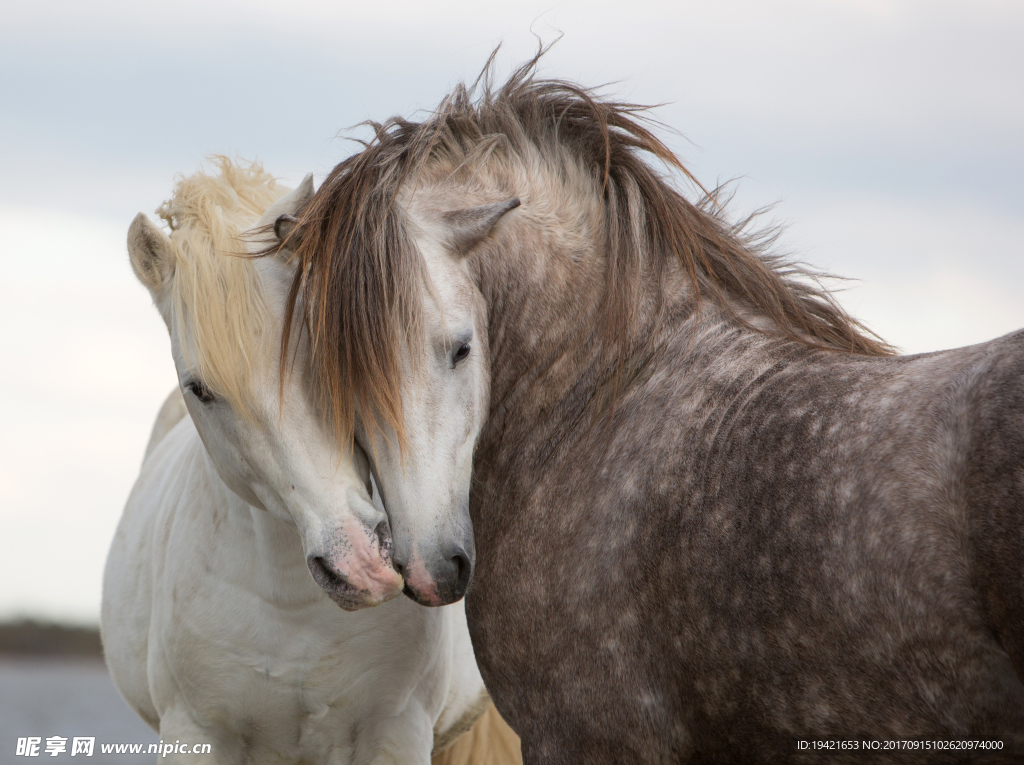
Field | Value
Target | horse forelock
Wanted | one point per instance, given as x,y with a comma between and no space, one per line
219,308
356,288
360,274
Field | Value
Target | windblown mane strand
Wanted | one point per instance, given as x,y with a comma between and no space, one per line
222,315
360,273
357,286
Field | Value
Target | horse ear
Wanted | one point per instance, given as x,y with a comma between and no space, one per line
151,254
303,191
281,214
468,226
288,231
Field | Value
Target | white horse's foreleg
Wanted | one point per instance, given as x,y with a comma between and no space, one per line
179,736
403,740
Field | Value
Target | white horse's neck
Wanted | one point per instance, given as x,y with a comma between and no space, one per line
277,572
285,579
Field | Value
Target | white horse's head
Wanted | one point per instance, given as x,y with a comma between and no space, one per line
399,280
262,430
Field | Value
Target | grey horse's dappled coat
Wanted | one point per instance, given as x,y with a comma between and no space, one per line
711,514
771,541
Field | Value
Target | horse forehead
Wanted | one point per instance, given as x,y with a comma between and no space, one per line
449,279
276,279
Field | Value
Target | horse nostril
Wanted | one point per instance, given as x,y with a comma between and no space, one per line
384,544
464,571
325,575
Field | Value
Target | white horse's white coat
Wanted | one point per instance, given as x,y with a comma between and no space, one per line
214,630
215,633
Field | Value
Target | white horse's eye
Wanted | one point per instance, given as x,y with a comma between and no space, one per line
460,353
200,391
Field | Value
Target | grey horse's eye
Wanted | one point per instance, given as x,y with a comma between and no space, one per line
200,391
460,353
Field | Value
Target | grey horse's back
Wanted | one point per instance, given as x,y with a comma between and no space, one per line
868,506
994,490
863,525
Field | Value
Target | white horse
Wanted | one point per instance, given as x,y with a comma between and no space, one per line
214,630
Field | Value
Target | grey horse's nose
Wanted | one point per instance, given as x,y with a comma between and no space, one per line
453,573
463,572
450,575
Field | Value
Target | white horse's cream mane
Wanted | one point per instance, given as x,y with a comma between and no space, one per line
218,305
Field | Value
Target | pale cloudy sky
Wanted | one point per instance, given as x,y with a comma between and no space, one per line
889,133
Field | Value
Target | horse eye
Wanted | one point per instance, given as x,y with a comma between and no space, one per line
460,354
200,391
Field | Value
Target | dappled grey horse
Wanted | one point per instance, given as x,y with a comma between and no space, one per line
712,514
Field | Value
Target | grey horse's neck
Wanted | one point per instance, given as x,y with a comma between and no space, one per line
555,377
548,356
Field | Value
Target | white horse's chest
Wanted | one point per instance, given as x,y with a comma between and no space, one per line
245,652
300,681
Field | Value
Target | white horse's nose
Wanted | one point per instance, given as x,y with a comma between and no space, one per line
353,565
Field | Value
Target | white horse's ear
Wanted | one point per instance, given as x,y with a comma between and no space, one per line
304,190
151,254
468,226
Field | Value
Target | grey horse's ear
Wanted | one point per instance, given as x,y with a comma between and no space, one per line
286,225
466,227
287,231
151,254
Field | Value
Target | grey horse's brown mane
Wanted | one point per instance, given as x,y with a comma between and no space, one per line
360,275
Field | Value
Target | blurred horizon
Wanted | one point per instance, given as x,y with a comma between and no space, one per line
886,134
